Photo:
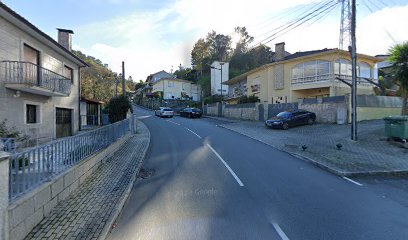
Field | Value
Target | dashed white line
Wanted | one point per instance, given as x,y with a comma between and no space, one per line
226,165
350,180
279,230
193,132
178,124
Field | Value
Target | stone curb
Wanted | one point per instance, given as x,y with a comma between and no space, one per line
325,167
116,212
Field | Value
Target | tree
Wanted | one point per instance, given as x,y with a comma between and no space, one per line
186,73
399,59
117,108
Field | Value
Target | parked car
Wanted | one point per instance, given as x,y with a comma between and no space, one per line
164,112
191,113
288,119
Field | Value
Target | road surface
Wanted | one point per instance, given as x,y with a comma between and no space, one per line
212,183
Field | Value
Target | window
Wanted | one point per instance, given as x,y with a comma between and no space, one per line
31,55
69,73
342,67
170,84
364,70
311,69
31,114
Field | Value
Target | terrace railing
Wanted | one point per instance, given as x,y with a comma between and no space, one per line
32,167
15,72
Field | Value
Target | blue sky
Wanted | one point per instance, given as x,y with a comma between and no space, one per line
158,35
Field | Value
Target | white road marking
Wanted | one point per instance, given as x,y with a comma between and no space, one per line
143,117
178,124
279,230
226,165
350,180
193,132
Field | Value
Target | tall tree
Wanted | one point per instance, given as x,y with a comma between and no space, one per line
399,58
98,82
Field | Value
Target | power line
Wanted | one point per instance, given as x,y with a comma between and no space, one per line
385,29
288,12
294,21
301,21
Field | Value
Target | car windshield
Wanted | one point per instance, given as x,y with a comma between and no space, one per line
195,110
167,109
283,115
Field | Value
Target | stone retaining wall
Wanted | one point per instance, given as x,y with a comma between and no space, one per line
26,212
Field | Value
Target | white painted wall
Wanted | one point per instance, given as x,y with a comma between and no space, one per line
216,78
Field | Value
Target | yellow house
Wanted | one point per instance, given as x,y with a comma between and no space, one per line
311,74
173,88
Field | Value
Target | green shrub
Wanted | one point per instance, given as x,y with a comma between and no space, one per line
117,108
250,99
11,132
212,99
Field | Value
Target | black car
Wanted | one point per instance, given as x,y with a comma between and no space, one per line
191,113
288,119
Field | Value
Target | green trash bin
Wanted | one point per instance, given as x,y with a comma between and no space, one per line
396,126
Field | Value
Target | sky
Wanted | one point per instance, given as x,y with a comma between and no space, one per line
156,35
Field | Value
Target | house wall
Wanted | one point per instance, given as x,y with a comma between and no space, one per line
276,83
192,90
12,40
216,78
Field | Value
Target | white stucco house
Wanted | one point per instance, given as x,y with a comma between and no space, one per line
219,73
39,79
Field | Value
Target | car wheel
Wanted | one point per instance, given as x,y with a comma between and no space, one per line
285,126
310,121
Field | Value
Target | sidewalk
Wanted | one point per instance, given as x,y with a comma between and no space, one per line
89,212
370,155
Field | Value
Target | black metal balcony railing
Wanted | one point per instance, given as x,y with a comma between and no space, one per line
15,72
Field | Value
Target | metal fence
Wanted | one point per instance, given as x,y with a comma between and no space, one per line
8,144
32,167
32,74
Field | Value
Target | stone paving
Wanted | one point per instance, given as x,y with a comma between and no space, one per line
370,155
87,211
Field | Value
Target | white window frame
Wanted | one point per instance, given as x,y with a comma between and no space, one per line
39,113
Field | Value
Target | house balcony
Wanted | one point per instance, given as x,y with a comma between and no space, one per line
31,78
326,80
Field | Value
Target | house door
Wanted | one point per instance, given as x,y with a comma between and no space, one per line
63,122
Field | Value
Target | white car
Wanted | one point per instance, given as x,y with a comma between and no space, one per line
164,112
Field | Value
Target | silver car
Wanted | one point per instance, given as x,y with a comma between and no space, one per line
164,112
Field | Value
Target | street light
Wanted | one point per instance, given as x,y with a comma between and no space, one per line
221,63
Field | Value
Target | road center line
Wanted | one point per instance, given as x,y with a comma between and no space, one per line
226,165
193,132
350,180
178,124
279,230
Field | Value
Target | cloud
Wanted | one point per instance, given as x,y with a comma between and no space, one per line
150,41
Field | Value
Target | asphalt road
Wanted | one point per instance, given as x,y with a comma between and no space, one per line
211,183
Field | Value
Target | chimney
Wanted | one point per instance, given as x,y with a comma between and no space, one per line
279,51
65,38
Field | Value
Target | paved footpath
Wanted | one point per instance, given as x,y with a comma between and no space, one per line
370,155
88,212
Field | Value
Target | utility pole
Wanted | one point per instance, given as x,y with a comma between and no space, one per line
221,63
123,79
354,72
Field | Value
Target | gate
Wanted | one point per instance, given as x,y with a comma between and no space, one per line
63,122
261,112
219,109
